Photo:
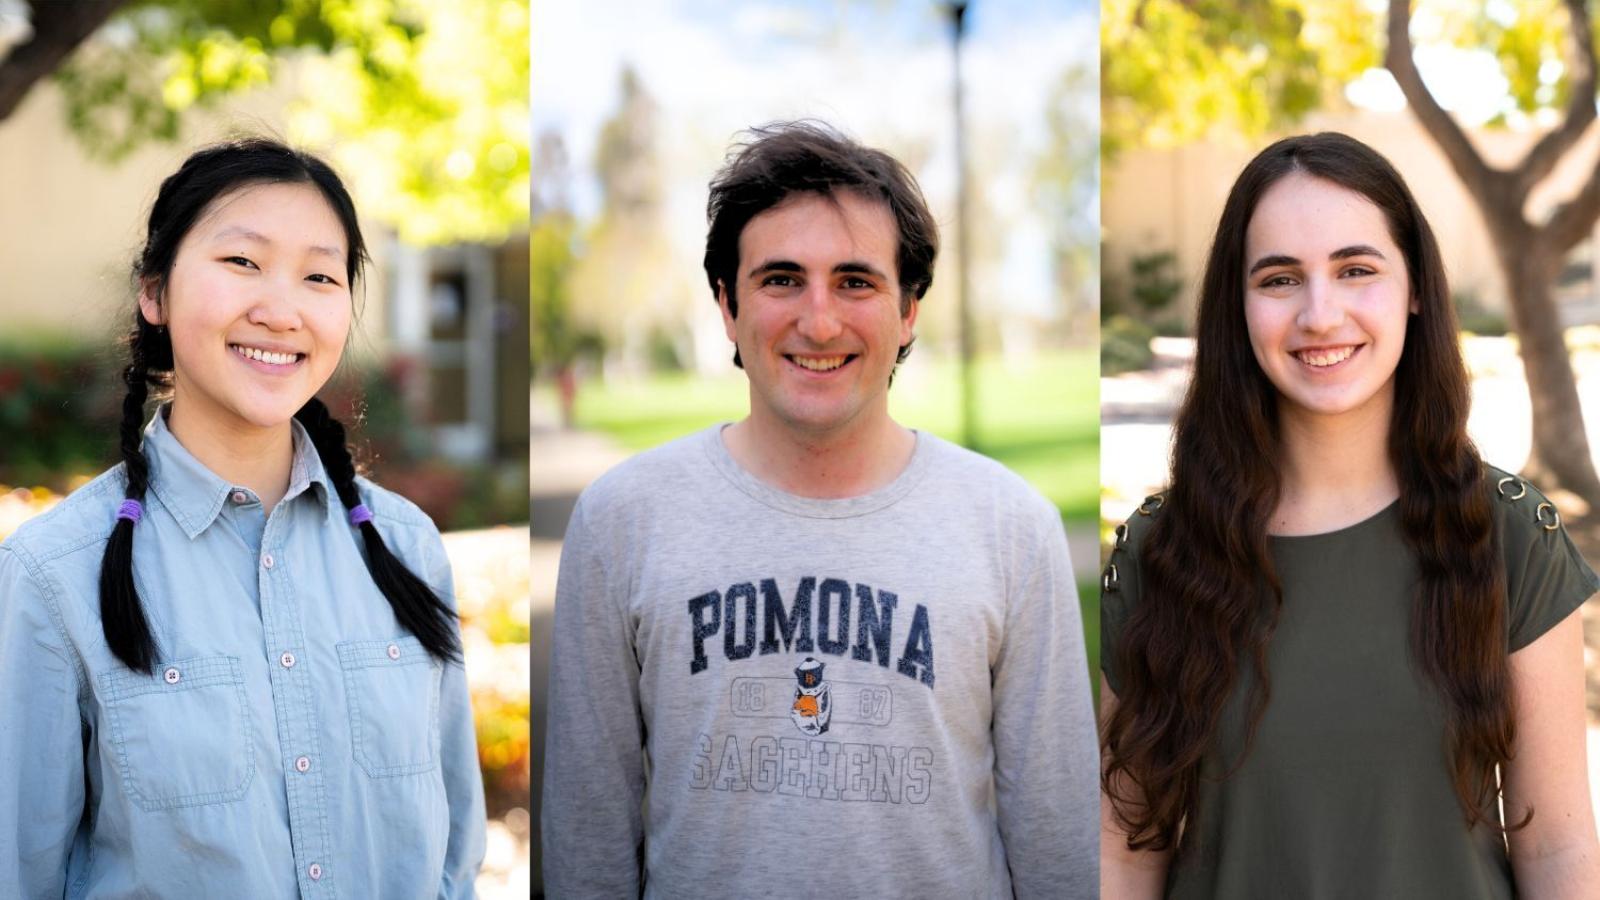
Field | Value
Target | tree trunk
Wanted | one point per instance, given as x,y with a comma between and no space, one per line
58,29
1560,446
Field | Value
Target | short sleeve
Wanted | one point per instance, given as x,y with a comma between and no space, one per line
1119,589
1546,577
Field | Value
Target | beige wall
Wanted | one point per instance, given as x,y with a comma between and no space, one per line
70,225
1170,200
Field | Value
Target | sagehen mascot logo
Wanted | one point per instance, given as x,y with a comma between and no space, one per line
812,707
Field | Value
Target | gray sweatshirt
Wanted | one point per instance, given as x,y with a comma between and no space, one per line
755,694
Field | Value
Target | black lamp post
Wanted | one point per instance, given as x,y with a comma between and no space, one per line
957,12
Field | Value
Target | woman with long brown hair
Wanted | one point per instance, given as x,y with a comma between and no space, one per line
1339,642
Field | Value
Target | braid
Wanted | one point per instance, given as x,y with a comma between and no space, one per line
122,618
415,605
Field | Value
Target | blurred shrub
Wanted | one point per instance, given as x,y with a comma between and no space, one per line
1125,345
59,405
1153,282
1473,316
392,447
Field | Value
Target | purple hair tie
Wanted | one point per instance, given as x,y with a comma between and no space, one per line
131,510
359,515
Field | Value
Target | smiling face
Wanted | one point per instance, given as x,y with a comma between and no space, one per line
819,323
1326,296
257,305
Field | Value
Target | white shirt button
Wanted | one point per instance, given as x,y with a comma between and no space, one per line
394,651
172,675
303,764
240,497
315,871
287,659
266,560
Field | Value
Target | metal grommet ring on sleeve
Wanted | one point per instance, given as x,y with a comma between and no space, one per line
1122,536
1151,504
1555,516
1522,488
1109,582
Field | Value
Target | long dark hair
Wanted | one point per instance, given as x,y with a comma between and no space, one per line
205,176
1210,598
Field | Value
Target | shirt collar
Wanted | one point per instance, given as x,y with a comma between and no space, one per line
195,494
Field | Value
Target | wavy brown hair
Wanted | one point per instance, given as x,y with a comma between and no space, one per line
1210,598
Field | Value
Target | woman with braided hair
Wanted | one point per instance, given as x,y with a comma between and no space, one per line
1342,654
229,665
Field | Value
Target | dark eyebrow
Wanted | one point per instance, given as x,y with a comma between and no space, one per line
776,265
1341,253
852,267
259,238
1269,261
1356,250
858,268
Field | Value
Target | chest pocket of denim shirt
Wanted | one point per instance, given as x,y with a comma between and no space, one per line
181,736
392,689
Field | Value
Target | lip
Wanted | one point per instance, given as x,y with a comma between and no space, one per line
1355,351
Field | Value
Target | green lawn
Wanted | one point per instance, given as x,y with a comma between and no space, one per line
1041,419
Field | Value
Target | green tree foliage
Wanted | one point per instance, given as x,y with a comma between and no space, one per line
422,102
1173,71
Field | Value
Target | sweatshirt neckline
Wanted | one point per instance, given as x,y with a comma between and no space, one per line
813,507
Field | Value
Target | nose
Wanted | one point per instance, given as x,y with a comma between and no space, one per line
1320,308
820,321
274,308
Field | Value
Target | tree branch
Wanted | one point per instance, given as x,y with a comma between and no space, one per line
58,29
1572,221
1478,177
1544,155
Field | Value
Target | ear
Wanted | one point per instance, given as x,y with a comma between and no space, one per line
907,321
727,316
149,305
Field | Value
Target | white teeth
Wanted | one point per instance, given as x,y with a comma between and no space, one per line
823,364
1323,358
276,359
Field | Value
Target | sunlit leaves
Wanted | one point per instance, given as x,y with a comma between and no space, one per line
1177,71
1174,71
421,103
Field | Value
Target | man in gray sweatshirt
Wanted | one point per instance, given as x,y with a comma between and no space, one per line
813,653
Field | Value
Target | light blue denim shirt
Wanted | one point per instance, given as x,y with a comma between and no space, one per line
293,741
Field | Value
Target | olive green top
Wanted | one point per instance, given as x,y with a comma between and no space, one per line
1344,792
